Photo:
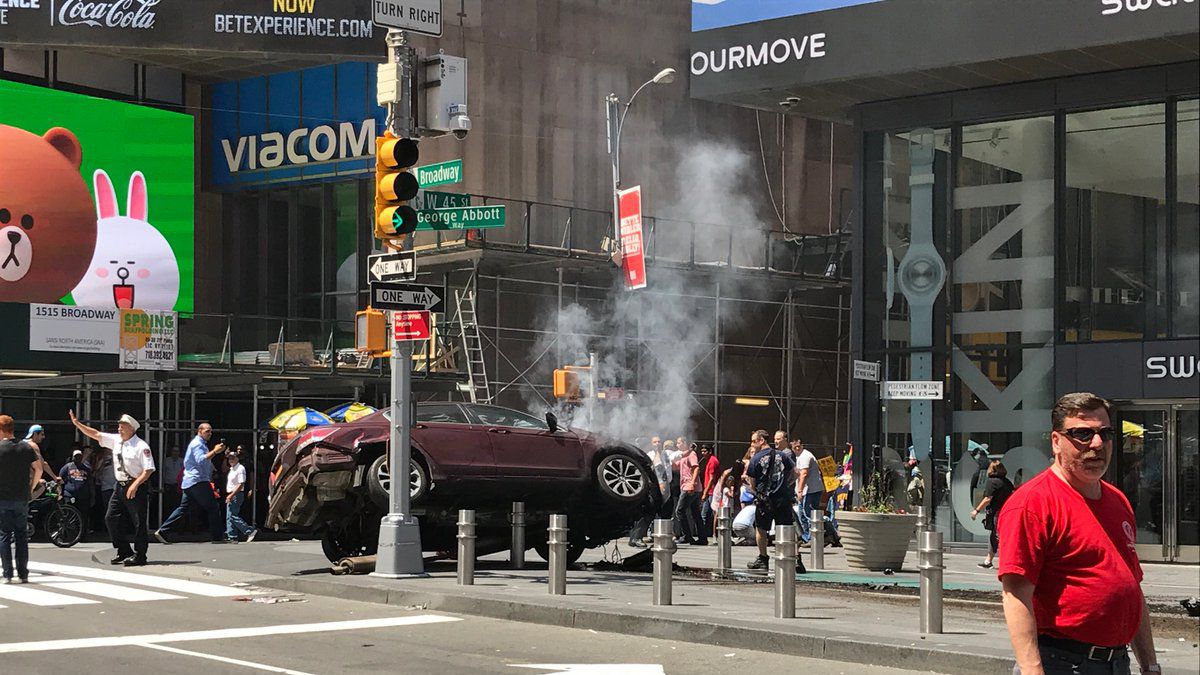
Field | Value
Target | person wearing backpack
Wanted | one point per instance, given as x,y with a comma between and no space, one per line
996,491
768,475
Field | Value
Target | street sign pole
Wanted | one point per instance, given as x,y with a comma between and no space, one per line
399,552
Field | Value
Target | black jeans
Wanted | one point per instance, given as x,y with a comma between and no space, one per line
687,512
1059,662
126,517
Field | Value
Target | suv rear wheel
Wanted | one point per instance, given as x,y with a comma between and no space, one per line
379,481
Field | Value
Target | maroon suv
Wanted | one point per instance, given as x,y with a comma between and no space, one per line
335,479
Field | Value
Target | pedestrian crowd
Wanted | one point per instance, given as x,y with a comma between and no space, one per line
110,483
776,483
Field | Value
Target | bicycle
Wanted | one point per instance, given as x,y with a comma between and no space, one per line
61,519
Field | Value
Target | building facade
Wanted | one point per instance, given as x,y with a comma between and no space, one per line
1027,226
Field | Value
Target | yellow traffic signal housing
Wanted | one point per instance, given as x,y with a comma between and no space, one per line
370,331
395,185
566,384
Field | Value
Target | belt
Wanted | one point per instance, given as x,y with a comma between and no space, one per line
1089,651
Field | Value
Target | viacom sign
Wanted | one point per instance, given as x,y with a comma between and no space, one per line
305,145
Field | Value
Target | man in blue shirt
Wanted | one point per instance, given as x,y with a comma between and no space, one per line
197,487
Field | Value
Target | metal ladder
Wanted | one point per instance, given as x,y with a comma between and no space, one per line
477,381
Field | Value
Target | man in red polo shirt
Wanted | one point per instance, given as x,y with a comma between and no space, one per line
1072,583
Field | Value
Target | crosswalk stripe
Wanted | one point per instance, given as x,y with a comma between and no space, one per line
35,596
113,591
160,583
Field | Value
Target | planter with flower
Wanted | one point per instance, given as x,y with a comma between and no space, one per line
875,534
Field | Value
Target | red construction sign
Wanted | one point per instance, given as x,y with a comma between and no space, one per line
411,325
633,256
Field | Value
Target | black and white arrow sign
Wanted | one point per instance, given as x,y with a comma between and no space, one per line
408,296
400,266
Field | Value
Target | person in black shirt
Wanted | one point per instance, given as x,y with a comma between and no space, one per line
20,470
996,491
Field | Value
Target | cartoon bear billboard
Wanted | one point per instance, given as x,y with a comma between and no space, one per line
61,242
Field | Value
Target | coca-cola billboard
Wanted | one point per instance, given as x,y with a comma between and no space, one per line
137,14
297,27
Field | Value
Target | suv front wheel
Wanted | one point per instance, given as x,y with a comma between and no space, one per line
620,477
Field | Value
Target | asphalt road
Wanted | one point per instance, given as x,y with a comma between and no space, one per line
85,618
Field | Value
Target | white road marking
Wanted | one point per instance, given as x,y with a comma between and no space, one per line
113,591
226,659
160,583
35,596
595,668
220,634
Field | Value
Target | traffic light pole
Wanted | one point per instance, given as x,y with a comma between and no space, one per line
612,112
399,553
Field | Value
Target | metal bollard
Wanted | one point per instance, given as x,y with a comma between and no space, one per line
663,548
922,522
724,539
516,553
930,563
785,571
558,554
466,547
816,540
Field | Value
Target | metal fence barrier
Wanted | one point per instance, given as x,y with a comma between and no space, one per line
663,549
466,547
516,552
816,540
785,571
930,555
557,540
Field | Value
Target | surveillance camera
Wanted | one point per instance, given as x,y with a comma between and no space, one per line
460,124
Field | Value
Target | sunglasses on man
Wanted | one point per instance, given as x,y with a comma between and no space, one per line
1086,434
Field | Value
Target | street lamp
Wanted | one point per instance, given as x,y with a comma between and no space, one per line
615,112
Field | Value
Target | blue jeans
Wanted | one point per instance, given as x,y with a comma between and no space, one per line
13,515
200,494
234,525
806,506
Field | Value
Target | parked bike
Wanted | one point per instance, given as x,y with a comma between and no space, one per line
56,515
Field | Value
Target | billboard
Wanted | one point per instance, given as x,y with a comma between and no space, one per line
96,201
309,27
708,14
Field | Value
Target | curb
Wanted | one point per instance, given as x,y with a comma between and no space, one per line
645,624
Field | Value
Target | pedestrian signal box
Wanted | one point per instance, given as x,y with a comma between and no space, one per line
370,331
566,384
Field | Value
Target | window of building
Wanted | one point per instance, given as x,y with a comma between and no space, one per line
1184,296
1113,244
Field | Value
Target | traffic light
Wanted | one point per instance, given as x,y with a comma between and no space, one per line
395,185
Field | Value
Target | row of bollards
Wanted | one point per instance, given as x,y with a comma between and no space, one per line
929,550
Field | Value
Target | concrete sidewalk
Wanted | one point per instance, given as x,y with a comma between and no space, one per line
1164,585
833,622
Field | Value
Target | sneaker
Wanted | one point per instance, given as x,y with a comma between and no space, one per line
162,538
24,580
985,565
636,544
134,561
759,563
701,542
120,559
8,580
250,537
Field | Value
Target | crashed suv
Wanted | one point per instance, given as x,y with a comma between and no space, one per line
334,480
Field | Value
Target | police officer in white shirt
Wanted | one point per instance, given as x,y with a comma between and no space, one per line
132,464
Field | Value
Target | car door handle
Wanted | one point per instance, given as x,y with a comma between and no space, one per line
498,431
420,426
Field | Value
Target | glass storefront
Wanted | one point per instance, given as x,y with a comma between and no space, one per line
996,242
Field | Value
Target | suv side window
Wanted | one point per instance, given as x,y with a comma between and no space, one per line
503,417
443,414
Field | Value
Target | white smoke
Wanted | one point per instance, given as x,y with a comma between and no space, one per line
656,342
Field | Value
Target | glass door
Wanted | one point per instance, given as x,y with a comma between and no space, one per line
1187,462
1158,468
1142,475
